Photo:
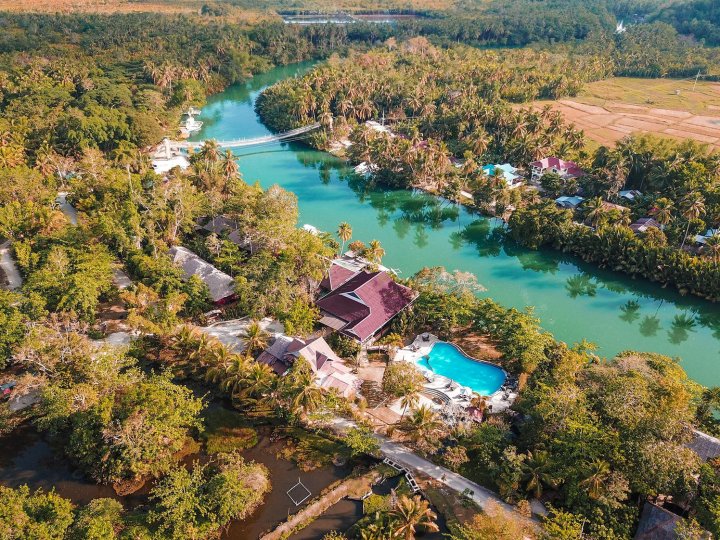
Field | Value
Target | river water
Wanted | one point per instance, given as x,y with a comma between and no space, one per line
573,300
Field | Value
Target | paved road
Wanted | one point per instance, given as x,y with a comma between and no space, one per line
404,456
9,267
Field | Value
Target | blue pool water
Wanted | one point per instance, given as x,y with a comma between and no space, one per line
447,360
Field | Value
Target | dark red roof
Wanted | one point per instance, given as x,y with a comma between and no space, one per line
336,277
367,302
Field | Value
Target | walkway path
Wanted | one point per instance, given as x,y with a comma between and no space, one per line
404,456
8,266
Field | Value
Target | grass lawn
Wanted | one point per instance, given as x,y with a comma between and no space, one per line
226,431
659,93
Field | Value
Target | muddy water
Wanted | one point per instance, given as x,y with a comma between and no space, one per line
277,505
26,458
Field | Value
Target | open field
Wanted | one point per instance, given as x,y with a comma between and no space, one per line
609,110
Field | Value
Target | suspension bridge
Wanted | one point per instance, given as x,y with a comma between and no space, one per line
293,134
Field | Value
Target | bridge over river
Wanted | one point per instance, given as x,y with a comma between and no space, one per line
293,134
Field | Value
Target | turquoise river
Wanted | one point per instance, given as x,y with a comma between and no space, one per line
572,299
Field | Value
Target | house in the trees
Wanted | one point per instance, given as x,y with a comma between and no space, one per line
643,224
701,239
223,226
629,194
565,169
571,203
220,285
330,370
506,171
359,303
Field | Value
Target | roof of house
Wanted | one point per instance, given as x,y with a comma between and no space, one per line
571,167
568,202
365,303
612,206
643,224
656,523
220,224
704,445
630,194
330,370
220,284
509,172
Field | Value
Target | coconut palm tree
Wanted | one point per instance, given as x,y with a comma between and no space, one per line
421,424
410,400
693,207
344,232
662,212
256,339
257,382
536,473
595,209
598,472
375,252
229,166
411,514
303,395
711,249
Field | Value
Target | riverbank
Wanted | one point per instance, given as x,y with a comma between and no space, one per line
416,230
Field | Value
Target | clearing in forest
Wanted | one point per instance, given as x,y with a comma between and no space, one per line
611,109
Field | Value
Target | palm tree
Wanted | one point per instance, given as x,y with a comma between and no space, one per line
257,382
693,208
344,232
536,472
229,166
598,472
256,339
662,212
411,514
712,249
410,400
595,208
305,397
421,424
375,252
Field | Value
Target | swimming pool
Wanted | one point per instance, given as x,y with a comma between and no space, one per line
447,360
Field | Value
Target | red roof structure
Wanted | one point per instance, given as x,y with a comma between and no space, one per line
570,168
363,304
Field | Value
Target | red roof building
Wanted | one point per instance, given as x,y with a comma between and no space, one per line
360,304
566,169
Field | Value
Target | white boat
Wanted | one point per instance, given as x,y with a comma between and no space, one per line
191,125
192,111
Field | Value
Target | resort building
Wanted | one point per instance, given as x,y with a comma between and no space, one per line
360,304
330,370
380,128
506,171
570,203
167,157
221,285
630,194
566,169
701,239
643,224
223,226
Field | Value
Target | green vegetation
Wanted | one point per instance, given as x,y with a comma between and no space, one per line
226,431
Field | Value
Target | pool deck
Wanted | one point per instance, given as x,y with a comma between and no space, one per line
457,394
